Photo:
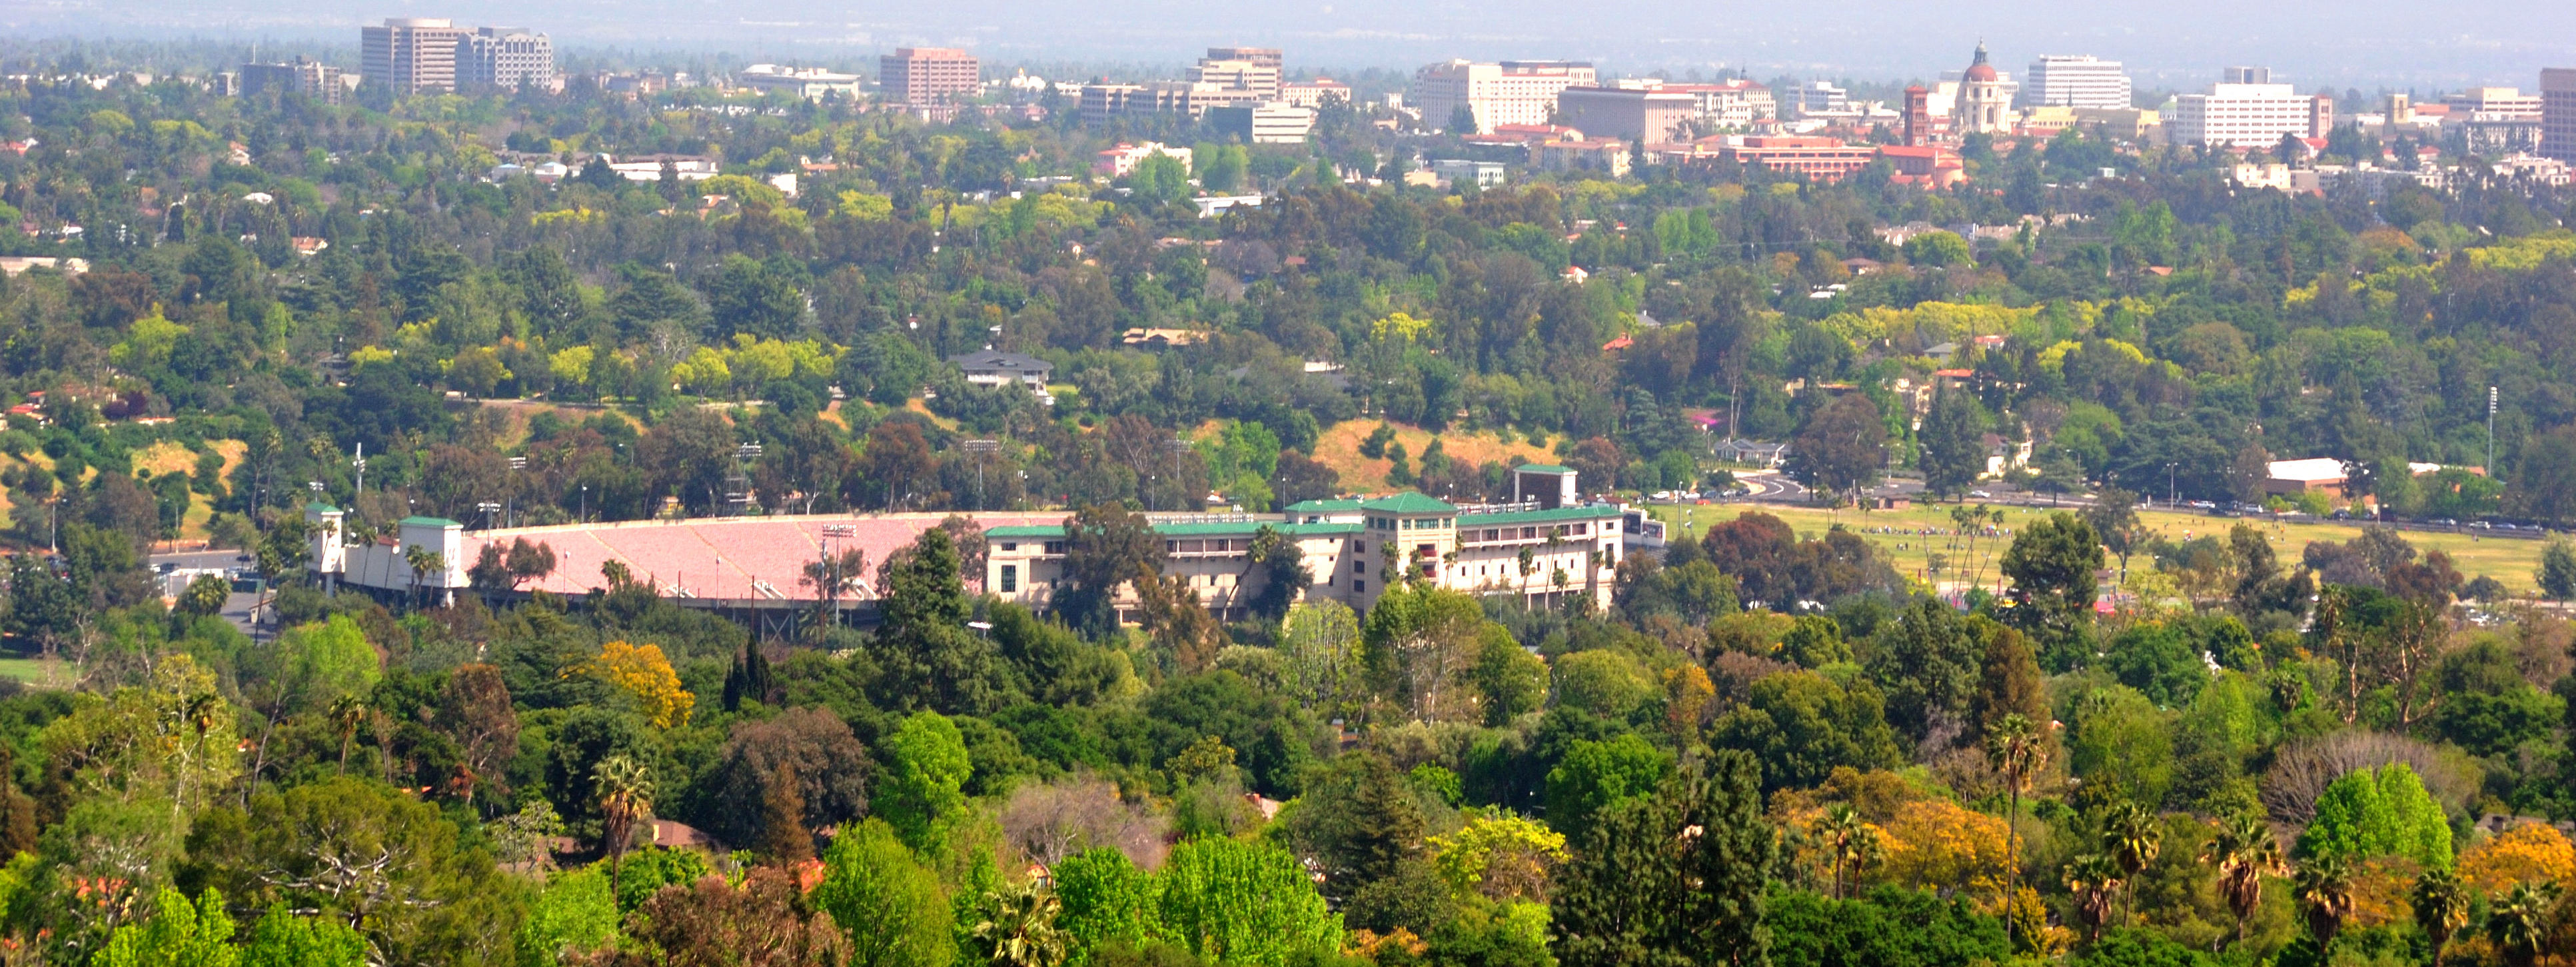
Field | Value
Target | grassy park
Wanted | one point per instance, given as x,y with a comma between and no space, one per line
2510,560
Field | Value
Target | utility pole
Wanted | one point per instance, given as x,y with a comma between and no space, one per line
2491,408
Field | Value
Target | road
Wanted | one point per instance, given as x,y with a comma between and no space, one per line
239,606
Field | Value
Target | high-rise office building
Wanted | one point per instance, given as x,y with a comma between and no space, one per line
1238,74
507,57
2251,114
412,55
2078,81
1511,92
2558,113
923,76
312,79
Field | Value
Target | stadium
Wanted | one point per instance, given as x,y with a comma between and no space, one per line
749,568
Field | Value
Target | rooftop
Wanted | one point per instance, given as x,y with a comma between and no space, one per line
2310,469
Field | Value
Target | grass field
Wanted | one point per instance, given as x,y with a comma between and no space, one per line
36,672
2508,560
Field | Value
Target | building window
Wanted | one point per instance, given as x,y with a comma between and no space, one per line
1055,547
1010,545
1358,586
1010,578
1359,567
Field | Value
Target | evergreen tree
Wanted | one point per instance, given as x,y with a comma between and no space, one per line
1954,444
1672,879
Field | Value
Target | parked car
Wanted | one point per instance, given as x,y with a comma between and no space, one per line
1979,494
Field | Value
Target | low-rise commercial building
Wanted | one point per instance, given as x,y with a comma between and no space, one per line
1272,122
312,79
810,83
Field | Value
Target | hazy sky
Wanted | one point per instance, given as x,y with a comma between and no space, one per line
2166,42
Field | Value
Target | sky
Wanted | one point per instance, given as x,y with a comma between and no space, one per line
2165,43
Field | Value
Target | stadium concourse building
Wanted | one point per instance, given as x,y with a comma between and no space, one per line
1546,546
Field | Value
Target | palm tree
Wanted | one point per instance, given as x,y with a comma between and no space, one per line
422,561
2014,745
2324,892
2095,878
1848,840
200,711
347,714
2243,853
1022,931
625,795
2519,922
2132,834
2441,907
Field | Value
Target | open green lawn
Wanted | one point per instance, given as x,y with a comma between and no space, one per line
2507,559
39,672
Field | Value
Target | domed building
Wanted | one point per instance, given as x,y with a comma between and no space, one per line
1984,105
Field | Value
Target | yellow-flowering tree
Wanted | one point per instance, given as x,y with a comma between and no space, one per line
642,672
1499,854
2531,852
1937,843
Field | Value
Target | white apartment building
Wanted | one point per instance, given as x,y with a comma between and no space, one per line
2078,81
508,58
1313,93
1510,92
2243,115
1117,161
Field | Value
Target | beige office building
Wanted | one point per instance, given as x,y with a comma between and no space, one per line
412,55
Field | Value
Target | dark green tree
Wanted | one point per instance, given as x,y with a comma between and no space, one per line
1954,443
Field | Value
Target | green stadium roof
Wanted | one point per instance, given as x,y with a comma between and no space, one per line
429,522
1181,529
1543,468
1410,502
1548,516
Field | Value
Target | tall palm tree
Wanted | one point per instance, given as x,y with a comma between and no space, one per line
2324,891
625,794
200,711
2519,922
2441,907
347,714
2016,746
2095,878
2243,853
422,561
1848,840
2132,834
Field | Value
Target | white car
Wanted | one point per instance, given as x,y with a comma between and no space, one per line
1980,494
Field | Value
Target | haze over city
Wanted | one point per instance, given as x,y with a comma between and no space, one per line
2375,42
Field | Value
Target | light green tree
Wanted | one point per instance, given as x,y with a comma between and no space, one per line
923,792
889,904
575,912
179,934
1239,902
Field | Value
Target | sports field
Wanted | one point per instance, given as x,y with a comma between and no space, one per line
2509,560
